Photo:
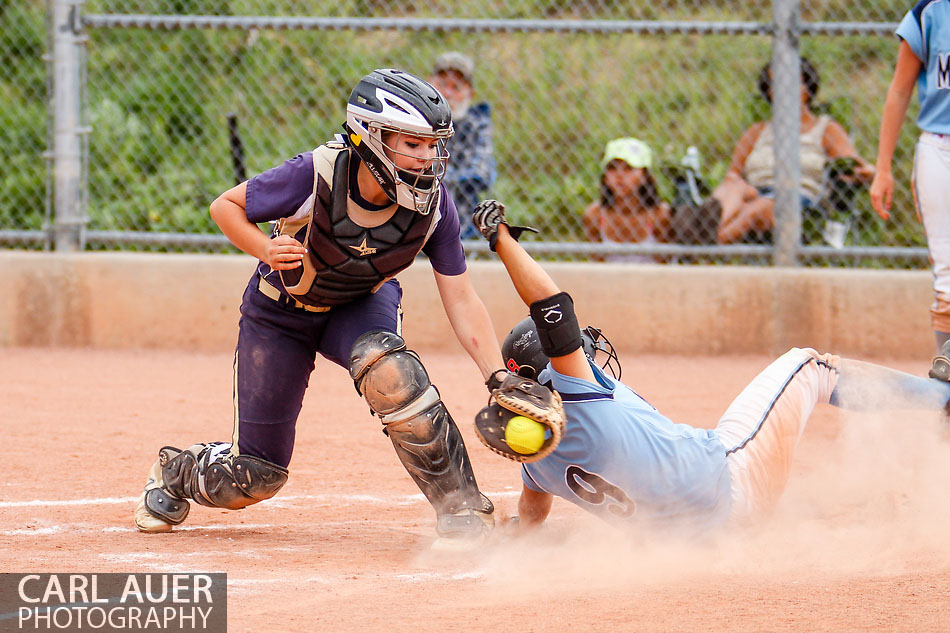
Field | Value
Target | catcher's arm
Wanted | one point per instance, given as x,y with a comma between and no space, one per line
470,321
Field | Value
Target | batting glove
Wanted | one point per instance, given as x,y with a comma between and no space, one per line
486,217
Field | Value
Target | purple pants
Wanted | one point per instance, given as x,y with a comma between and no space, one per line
276,349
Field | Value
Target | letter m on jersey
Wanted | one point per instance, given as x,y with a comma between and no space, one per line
943,71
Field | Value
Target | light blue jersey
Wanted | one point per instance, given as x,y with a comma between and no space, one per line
622,460
926,29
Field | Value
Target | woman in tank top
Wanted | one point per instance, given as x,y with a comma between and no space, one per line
745,200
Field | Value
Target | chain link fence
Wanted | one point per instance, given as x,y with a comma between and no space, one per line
162,78
24,133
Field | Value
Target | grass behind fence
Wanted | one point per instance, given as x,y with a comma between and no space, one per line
157,102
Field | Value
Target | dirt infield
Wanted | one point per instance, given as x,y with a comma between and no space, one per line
860,541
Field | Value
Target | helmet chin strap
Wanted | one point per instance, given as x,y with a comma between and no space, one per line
367,178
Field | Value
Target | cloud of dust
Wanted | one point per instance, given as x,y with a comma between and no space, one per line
874,500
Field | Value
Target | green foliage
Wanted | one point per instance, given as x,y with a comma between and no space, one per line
23,117
23,35
158,100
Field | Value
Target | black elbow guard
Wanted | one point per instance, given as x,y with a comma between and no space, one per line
556,323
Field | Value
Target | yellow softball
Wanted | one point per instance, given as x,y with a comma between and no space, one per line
524,435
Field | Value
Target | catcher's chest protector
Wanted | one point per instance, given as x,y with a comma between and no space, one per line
346,261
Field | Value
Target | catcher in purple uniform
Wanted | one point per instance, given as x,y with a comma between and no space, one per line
350,215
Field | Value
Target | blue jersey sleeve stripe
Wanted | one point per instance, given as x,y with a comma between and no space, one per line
589,396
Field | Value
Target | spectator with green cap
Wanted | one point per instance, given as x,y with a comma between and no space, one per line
629,209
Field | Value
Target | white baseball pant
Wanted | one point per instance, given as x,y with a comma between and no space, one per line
931,186
762,426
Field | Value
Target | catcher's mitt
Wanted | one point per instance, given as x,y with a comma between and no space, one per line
521,396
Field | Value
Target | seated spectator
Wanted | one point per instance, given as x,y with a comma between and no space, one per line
745,200
471,169
629,209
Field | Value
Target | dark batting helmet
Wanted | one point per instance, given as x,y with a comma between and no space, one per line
523,355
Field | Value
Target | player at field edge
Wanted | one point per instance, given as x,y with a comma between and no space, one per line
350,215
922,58
624,461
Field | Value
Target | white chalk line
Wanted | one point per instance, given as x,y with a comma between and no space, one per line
326,499
249,583
188,561
32,531
214,527
273,504
185,562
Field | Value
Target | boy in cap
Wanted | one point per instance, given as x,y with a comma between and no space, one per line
471,170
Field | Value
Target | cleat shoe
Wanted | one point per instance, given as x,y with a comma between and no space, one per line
144,520
940,368
464,531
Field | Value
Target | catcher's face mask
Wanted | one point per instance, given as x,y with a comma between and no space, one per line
490,425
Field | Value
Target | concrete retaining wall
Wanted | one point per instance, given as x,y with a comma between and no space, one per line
116,300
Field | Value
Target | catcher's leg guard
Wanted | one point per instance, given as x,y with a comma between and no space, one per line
211,475
427,441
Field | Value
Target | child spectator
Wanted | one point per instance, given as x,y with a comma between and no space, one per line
629,209
471,170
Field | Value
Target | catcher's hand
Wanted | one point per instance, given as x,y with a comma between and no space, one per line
487,215
521,396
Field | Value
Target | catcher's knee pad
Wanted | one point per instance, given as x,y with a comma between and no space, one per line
212,476
388,375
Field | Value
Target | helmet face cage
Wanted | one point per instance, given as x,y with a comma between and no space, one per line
523,355
602,344
421,184
386,106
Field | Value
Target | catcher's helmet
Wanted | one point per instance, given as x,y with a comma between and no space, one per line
522,351
390,100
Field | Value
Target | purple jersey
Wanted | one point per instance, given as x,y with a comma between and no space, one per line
286,190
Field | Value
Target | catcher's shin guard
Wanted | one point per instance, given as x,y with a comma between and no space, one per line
427,441
210,475
431,448
940,370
